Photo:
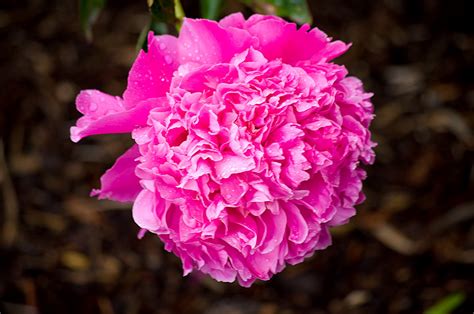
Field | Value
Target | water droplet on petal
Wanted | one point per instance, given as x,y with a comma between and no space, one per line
168,59
93,106
162,46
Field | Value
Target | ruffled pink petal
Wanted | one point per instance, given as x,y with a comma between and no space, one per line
120,183
207,42
151,74
276,228
233,189
231,164
298,228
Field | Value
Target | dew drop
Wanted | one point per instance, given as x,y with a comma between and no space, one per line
162,46
93,106
168,59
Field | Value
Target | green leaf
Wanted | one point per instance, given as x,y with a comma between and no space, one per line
167,11
210,9
142,42
162,10
179,13
296,10
152,25
89,11
447,304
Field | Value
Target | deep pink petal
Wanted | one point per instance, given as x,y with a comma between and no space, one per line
120,183
279,39
152,71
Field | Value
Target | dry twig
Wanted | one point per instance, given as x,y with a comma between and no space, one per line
10,225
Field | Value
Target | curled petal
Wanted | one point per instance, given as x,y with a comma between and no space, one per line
105,114
276,227
296,224
120,183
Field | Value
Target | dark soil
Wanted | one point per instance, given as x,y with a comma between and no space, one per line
411,244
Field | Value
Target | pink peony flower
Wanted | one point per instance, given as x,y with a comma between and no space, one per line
248,143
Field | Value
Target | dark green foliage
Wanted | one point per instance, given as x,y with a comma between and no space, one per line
447,304
163,11
166,18
89,11
296,10
210,9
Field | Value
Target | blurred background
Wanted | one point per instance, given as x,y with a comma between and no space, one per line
409,250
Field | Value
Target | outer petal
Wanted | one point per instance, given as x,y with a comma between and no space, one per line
120,183
342,216
152,71
280,39
207,42
107,114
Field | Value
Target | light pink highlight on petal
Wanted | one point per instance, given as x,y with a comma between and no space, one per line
207,42
144,211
